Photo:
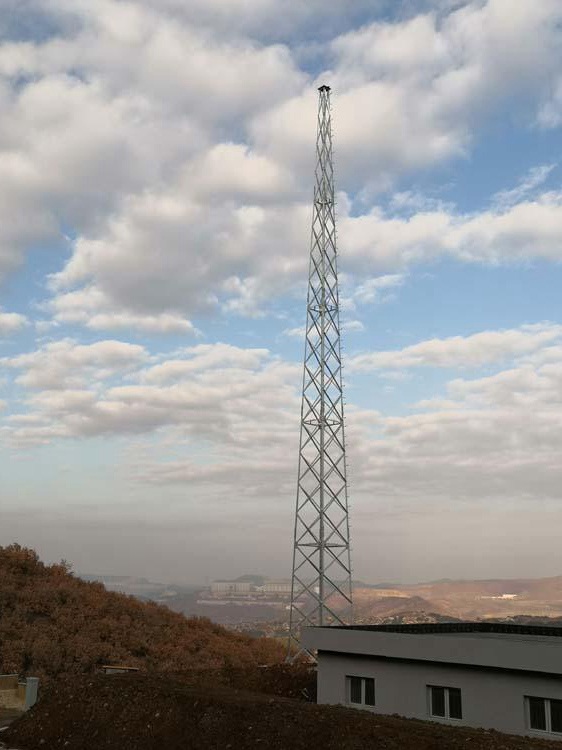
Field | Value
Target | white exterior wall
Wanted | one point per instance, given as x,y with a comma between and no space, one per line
490,699
277,587
231,587
220,587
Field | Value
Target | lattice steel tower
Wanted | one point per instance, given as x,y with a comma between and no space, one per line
321,585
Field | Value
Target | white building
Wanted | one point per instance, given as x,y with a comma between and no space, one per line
503,677
231,587
277,587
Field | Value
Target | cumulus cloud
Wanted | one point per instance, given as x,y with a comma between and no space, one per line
65,363
476,350
550,113
188,145
529,229
271,19
227,422
11,323
93,309
421,85
248,254
167,251
376,289
167,148
295,333
495,437
161,323
352,326
492,439
216,392
536,177
203,358
110,82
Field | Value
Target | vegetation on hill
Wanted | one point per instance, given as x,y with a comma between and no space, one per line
52,623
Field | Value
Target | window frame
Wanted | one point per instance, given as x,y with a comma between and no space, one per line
447,716
363,704
547,715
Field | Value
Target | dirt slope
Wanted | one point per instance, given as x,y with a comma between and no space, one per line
160,712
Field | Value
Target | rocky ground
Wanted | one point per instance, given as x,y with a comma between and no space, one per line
211,711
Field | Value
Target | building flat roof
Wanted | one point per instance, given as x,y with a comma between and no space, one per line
474,628
521,648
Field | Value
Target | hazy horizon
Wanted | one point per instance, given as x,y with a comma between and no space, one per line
145,551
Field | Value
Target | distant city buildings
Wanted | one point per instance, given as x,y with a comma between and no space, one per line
276,587
231,587
501,596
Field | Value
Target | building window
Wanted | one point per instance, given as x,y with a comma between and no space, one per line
544,714
361,691
445,702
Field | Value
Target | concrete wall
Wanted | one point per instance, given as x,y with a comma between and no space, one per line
490,699
8,681
31,692
18,695
9,692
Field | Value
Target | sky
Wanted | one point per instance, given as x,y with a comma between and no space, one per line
156,176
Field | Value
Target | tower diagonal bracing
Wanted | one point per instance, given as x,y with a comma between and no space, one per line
321,582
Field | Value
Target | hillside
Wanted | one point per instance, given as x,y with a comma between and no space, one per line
53,623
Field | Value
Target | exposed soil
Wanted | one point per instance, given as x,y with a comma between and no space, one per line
209,710
7,716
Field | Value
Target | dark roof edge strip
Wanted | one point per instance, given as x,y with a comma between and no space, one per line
457,627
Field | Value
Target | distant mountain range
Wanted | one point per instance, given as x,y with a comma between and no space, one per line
447,599
141,587
464,600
